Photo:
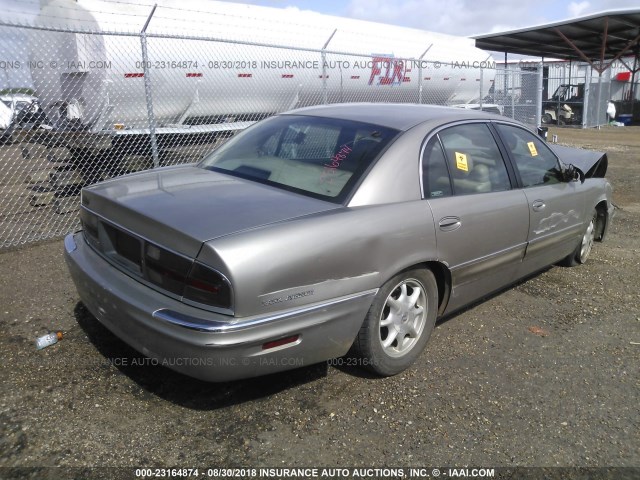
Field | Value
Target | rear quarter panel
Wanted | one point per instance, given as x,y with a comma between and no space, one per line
322,256
396,175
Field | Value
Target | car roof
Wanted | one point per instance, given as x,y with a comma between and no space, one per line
399,116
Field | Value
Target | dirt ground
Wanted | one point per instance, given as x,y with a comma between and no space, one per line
544,374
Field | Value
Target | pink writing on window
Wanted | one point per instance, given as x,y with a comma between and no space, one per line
330,168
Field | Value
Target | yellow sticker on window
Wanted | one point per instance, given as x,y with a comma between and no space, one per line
532,149
461,162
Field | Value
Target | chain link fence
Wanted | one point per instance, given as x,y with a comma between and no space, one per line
517,91
81,106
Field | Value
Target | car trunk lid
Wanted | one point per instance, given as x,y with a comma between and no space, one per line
182,207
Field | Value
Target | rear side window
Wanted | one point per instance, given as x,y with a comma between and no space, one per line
435,176
535,162
474,160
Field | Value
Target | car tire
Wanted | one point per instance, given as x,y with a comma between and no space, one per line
582,251
546,119
399,323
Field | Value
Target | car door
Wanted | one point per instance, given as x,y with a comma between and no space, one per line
556,207
481,222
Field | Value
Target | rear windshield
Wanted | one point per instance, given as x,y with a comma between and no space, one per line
318,157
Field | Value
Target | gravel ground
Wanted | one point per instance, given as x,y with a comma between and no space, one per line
544,374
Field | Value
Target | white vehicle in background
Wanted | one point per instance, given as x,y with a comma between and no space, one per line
19,110
485,107
6,116
17,101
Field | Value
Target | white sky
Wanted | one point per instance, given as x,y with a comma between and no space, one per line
456,17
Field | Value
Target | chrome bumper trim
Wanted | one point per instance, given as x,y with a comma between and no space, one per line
213,326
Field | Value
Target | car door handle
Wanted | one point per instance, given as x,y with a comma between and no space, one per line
538,205
448,224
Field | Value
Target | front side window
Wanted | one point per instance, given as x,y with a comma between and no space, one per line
315,156
536,163
474,160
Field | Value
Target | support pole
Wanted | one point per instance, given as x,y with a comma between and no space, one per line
632,93
587,92
598,104
539,94
323,55
147,91
481,81
505,82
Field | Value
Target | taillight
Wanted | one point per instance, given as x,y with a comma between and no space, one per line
204,285
165,269
177,274
89,225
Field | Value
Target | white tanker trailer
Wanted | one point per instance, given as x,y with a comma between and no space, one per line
96,82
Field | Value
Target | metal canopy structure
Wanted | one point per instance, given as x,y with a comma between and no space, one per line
599,39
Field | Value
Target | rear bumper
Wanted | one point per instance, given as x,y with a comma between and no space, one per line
206,345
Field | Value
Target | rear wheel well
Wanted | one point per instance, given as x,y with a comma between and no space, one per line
443,281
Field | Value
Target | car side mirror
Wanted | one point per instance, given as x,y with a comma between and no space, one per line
572,174
542,132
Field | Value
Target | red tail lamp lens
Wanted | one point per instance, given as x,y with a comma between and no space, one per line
165,269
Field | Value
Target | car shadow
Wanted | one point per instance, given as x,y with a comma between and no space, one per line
451,315
158,380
